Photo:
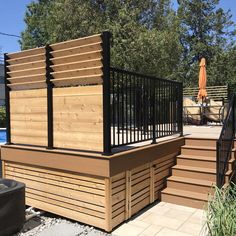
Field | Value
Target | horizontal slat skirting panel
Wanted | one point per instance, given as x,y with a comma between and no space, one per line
72,214
80,195
119,198
60,174
140,188
78,118
77,42
28,114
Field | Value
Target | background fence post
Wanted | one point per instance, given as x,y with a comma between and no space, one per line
7,102
49,98
106,93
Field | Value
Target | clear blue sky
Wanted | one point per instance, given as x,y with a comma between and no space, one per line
12,20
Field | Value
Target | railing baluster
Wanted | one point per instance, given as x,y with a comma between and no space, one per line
143,107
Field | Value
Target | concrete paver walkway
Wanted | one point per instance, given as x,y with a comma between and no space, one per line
165,219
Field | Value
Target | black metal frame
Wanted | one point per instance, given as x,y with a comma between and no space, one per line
143,107
153,96
106,93
49,98
7,101
225,142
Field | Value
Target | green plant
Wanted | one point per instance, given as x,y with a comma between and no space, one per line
221,212
2,117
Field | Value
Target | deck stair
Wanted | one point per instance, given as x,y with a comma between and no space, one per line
194,173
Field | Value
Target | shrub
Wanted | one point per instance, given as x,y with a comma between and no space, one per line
221,212
2,117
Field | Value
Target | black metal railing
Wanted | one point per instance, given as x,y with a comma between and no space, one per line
225,142
143,107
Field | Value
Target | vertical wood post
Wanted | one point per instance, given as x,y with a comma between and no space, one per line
49,98
7,102
106,93
108,207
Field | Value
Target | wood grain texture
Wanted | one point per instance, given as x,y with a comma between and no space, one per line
28,112
78,197
78,119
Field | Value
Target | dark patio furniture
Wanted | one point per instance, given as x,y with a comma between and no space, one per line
12,206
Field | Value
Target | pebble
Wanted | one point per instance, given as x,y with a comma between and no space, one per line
44,225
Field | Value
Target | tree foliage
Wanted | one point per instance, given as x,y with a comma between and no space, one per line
148,36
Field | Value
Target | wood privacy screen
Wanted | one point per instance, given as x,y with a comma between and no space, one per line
54,95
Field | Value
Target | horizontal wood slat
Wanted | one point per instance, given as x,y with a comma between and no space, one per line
29,117
79,196
75,129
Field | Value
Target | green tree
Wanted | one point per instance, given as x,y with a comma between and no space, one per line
206,32
145,33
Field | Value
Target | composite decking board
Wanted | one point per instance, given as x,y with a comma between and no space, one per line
115,197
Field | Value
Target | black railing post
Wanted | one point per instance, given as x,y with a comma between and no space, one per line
153,111
49,98
106,94
7,101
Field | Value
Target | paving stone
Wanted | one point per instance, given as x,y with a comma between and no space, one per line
178,214
190,228
170,232
151,230
128,230
62,229
163,221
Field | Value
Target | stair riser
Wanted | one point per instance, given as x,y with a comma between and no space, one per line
189,187
196,163
194,175
201,142
198,152
183,201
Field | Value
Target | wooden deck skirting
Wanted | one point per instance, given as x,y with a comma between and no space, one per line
102,191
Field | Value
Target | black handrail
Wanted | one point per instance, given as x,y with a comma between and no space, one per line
143,107
225,143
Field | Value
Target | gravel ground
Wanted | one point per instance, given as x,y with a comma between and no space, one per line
46,223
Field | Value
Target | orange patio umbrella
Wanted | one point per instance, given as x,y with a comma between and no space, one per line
202,80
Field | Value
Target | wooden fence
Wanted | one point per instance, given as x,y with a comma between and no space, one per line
54,95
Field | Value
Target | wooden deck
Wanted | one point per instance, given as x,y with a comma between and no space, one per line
209,132
102,191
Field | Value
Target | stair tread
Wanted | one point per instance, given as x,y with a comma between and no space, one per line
195,168
202,147
201,182
184,193
197,157
199,147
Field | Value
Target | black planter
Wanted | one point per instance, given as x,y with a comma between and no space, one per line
12,207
